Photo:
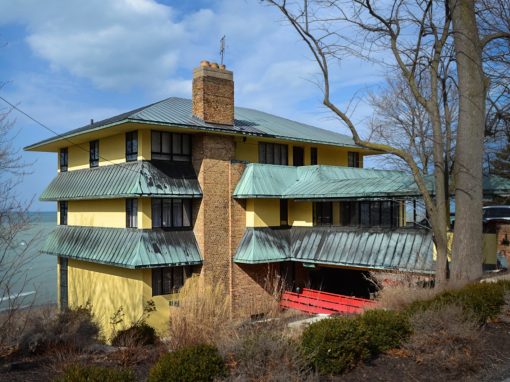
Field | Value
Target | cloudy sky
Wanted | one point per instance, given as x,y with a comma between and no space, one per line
65,62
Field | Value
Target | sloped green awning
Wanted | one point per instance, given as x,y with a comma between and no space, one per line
409,250
496,186
124,247
131,179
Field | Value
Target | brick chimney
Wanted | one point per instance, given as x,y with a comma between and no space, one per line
213,93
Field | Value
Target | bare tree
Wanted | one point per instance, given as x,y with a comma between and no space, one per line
423,37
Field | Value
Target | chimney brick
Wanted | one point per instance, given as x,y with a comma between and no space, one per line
213,94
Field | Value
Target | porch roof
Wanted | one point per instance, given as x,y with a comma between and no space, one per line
131,179
124,247
404,249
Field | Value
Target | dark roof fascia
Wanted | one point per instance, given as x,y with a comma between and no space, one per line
123,196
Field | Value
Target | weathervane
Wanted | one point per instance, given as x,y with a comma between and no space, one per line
222,48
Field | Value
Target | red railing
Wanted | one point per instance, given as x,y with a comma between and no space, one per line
316,302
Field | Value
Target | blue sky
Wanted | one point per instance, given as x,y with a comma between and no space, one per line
66,62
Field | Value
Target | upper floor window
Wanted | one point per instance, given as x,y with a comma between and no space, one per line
171,213
298,156
171,146
94,154
168,280
131,146
131,213
284,212
273,153
313,156
370,214
323,213
63,213
63,159
353,159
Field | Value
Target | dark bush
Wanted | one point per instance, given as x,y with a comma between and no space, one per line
336,345
79,373
200,363
137,335
482,300
386,329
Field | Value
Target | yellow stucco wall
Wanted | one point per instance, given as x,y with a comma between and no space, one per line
97,213
490,247
144,144
262,212
158,319
144,213
112,150
107,289
78,157
300,213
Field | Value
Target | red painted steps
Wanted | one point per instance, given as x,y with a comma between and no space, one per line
316,302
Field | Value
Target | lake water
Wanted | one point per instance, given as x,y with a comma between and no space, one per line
36,279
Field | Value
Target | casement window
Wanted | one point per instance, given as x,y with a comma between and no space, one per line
370,214
171,146
284,212
131,146
323,213
298,156
313,156
63,159
169,280
94,154
353,159
171,213
273,153
63,213
131,213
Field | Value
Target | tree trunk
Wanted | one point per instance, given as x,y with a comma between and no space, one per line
467,242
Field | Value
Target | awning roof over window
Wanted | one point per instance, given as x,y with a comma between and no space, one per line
408,250
125,180
128,248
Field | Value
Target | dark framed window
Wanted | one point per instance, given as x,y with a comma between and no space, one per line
64,300
63,208
171,146
273,153
313,156
353,159
171,213
94,154
349,212
298,156
284,212
63,159
131,146
169,280
131,213
323,213
371,214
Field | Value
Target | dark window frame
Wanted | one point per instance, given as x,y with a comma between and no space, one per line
63,209
131,146
63,161
94,153
284,212
301,156
181,154
323,213
132,213
167,280
185,203
353,159
273,153
314,156
363,214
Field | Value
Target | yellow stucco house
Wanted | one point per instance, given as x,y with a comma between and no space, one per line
181,187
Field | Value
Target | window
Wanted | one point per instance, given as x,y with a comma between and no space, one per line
63,283
298,156
131,146
131,213
370,214
63,159
273,153
168,280
171,213
313,156
171,146
284,212
323,213
94,154
63,213
353,159
349,212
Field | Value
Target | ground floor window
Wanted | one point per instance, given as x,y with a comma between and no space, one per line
63,296
370,214
169,280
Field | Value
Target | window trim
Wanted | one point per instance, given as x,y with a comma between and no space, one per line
94,153
63,209
131,141
63,165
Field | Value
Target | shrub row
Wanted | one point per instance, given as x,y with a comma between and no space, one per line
80,373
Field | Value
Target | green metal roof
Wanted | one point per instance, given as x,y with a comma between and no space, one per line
177,112
131,179
404,249
123,247
494,185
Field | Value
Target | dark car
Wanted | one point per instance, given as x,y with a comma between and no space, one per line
496,213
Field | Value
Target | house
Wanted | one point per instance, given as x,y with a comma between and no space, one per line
241,197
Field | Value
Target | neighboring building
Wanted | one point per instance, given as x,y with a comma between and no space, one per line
241,197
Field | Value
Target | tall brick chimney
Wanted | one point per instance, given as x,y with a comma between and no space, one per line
213,93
